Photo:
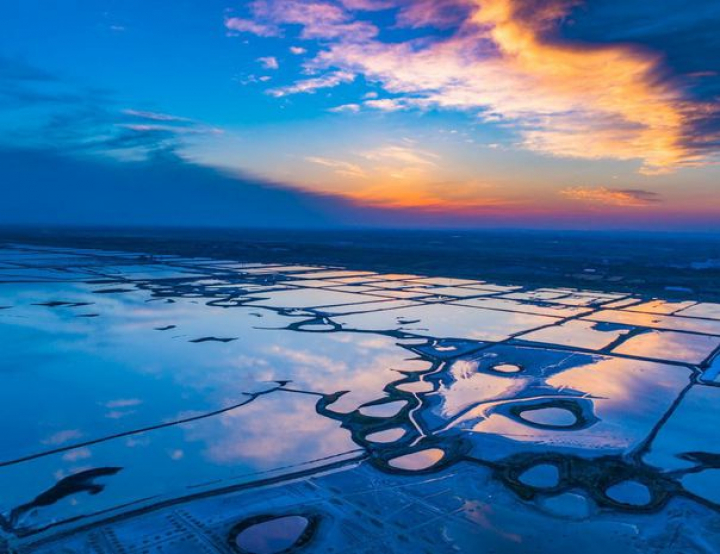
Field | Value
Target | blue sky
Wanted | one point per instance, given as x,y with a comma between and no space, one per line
477,113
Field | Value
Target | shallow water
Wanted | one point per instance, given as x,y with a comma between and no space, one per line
157,403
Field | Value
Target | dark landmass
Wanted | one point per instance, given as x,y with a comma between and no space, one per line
672,265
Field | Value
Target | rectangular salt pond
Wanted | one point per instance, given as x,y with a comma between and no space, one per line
670,345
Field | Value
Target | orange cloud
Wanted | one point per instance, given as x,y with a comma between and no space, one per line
462,198
611,102
564,98
401,176
616,197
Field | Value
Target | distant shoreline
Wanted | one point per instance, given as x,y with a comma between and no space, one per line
671,265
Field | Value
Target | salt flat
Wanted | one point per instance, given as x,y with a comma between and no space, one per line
156,403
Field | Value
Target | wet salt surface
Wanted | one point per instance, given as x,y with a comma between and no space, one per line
670,345
417,387
579,334
550,417
569,505
177,403
630,492
418,461
390,435
272,536
444,320
541,476
386,409
506,368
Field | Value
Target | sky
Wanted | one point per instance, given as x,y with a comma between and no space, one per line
577,114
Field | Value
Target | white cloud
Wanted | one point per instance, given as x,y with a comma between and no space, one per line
155,116
309,86
249,26
352,108
405,155
269,62
343,168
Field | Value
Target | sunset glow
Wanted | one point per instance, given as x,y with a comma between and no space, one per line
467,112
